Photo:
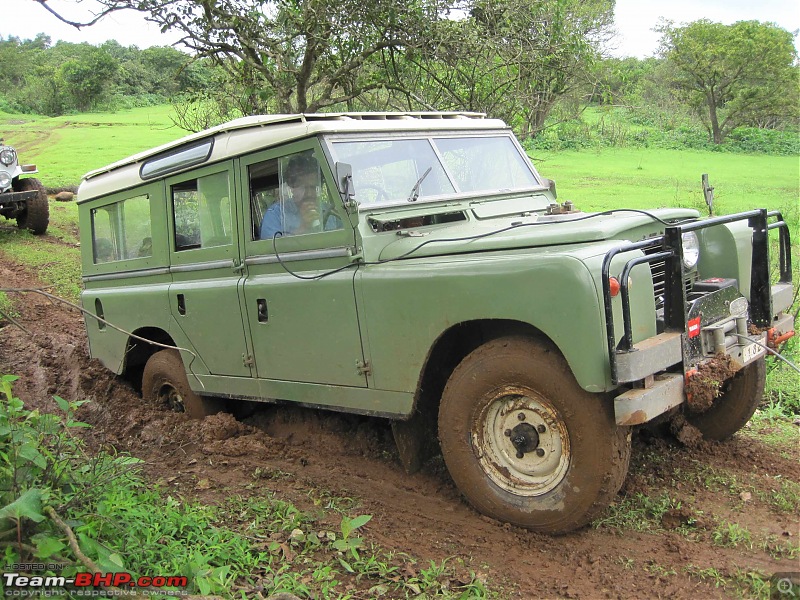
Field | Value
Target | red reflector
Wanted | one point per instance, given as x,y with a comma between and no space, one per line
613,286
693,327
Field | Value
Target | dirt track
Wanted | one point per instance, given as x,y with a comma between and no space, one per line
422,514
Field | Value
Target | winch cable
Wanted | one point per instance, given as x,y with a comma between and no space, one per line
770,350
98,318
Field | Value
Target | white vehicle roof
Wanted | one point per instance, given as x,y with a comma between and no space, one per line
248,134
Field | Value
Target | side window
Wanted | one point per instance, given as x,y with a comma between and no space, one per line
122,230
202,212
290,196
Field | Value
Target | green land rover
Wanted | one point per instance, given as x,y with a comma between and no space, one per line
415,266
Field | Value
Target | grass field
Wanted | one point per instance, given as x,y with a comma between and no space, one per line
65,148
648,178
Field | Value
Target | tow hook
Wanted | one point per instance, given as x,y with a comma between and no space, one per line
773,340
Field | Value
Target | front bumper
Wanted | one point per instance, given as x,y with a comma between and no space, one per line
717,325
16,199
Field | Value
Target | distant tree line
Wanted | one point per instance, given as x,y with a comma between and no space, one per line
534,63
37,76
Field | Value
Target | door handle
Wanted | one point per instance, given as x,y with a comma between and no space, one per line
181,304
263,315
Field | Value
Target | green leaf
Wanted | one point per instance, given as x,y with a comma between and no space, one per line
62,404
203,585
360,521
346,565
48,546
29,505
31,453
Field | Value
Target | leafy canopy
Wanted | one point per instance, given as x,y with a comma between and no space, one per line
732,74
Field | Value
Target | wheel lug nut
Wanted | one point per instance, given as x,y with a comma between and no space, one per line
521,416
541,428
507,433
540,452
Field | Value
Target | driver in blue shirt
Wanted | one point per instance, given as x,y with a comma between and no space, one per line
300,213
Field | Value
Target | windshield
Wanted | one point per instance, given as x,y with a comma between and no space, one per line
390,171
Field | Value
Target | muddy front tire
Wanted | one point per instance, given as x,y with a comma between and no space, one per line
525,443
36,216
739,397
164,383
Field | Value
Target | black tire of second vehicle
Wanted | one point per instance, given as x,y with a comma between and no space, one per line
599,449
36,216
738,400
164,374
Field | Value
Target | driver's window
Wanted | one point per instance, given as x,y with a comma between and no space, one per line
289,196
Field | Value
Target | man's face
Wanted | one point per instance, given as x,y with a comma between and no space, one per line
304,188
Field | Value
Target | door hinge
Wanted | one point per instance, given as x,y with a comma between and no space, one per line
363,367
247,360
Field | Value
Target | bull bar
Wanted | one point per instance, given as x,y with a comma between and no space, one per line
670,249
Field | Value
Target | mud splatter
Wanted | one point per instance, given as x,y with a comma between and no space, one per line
704,385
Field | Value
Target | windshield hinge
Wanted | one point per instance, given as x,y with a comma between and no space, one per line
247,360
355,254
363,367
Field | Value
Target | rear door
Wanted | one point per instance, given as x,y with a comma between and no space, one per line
205,264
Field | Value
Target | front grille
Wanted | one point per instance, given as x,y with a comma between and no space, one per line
658,272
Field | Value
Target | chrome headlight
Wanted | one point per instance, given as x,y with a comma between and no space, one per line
691,249
8,156
5,180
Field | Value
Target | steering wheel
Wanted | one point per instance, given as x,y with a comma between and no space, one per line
380,193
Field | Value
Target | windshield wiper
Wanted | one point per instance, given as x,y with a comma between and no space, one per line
415,190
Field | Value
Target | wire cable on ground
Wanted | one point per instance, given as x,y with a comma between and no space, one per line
102,320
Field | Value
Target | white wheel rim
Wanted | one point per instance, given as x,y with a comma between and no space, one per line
522,442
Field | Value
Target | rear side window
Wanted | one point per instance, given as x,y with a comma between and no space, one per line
202,212
122,230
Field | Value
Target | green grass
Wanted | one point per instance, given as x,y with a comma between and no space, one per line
61,269
65,148
651,178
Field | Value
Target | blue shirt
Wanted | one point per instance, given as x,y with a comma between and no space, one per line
281,217
284,218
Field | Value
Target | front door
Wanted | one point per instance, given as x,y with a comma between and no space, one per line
301,311
205,263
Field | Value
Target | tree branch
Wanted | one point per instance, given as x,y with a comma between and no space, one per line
78,24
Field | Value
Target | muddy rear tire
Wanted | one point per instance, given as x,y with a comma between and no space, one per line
164,383
36,216
739,397
525,443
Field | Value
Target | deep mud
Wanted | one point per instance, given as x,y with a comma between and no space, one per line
303,454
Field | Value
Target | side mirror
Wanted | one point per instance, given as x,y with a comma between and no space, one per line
551,185
344,182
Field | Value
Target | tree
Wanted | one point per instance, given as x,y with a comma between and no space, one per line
303,55
511,58
731,74
87,75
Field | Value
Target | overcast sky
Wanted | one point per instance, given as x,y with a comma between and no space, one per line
635,20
